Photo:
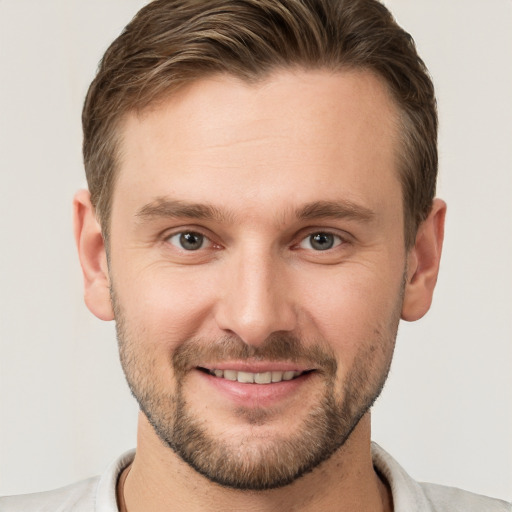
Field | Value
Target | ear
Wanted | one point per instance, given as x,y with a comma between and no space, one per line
93,257
423,264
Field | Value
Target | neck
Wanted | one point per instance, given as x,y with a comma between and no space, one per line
345,482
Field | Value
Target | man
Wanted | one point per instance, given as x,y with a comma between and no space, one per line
260,215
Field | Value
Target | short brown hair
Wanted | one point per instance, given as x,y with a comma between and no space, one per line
171,43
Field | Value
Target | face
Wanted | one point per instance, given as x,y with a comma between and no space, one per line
257,264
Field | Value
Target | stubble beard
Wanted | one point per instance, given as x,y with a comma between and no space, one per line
252,463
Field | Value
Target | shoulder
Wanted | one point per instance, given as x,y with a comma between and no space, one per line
95,494
410,495
77,497
451,499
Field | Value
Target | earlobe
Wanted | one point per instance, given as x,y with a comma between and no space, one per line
92,255
423,264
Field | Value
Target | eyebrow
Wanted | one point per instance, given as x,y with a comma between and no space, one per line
163,207
335,210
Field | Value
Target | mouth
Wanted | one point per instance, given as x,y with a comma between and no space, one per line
244,377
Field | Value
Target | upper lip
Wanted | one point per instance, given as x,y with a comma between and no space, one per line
256,366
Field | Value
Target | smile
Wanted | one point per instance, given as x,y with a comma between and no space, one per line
256,378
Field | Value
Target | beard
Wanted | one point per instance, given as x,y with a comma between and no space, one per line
252,461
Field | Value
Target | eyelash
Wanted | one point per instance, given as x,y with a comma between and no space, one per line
337,240
181,234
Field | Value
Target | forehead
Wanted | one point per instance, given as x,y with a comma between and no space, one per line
295,135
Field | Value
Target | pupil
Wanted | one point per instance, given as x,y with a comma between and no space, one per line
322,241
191,241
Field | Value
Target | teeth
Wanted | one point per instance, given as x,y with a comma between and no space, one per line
245,377
277,376
255,378
263,378
230,374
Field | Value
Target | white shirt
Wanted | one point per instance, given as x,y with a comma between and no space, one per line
99,494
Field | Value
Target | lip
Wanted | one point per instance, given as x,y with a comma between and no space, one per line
256,366
254,395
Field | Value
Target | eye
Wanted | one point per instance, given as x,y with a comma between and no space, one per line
189,240
320,241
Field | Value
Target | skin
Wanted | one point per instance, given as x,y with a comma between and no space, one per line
258,155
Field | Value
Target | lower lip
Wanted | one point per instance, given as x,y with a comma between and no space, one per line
256,395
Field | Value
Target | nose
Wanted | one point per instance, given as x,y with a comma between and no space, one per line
256,300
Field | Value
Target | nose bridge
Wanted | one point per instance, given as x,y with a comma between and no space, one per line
256,302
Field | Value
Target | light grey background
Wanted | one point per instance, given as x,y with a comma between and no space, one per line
65,410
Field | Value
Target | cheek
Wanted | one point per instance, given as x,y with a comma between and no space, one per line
353,307
358,319
166,306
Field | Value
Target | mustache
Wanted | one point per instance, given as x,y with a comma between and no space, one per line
278,347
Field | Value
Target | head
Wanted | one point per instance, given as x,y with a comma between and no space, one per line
170,44
263,173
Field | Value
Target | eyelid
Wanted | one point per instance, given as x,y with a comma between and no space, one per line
210,238
339,240
206,242
205,233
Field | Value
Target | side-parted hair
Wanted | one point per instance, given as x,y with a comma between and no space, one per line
172,43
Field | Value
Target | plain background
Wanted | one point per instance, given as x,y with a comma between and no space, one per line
65,410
